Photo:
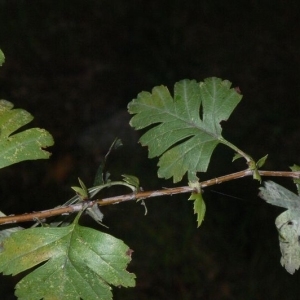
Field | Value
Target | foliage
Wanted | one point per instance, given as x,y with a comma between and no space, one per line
184,139
25,145
81,263
287,223
76,262
189,128
199,207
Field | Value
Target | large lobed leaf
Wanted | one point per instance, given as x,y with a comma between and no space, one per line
81,263
182,137
25,145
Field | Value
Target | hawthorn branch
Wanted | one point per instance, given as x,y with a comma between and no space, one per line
66,210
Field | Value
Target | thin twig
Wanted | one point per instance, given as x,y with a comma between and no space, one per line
65,210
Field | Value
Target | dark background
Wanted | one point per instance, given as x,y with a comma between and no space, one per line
75,65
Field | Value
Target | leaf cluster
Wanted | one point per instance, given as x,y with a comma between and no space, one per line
75,262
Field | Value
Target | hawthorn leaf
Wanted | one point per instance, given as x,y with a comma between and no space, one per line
261,161
278,195
182,138
24,145
81,191
236,156
132,180
199,207
287,223
79,263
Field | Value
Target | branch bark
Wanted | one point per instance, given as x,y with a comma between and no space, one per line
66,210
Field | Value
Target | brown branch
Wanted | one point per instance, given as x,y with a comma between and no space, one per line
65,210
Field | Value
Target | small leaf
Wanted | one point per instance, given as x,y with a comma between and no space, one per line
199,207
82,191
102,175
236,156
2,58
99,175
82,185
182,138
95,213
295,168
132,180
79,263
261,161
25,145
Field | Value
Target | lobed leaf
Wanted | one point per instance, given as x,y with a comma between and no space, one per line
81,263
276,194
25,145
288,226
287,223
182,137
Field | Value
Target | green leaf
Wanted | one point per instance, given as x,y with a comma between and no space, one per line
261,161
102,176
236,156
287,223
199,207
182,138
25,145
82,191
2,58
79,263
132,180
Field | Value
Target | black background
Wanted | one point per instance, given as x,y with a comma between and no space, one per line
75,65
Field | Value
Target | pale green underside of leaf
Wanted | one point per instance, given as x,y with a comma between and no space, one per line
278,195
80,263
25,145
182,138
287,223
